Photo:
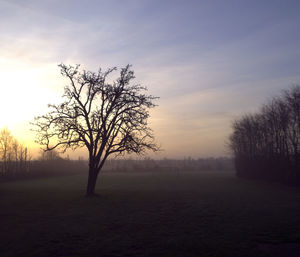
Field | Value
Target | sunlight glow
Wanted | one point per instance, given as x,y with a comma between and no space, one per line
25,92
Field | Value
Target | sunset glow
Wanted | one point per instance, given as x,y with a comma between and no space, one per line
207,67
149,128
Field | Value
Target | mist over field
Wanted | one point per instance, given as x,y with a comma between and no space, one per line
149,128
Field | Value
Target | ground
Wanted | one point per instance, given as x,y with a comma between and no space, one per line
149,214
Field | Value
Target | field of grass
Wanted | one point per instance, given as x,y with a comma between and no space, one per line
174,214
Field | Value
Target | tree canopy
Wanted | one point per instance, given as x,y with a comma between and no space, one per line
105,117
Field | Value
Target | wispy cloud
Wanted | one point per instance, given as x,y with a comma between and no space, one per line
209,61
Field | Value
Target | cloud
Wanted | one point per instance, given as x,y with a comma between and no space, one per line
209,62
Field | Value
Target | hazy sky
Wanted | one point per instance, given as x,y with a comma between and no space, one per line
208,61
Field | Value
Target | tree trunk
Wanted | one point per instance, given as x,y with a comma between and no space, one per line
92,179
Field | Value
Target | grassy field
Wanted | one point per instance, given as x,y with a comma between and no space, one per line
204,214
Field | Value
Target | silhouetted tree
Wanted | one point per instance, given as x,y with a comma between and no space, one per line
13,155
266,145
106,118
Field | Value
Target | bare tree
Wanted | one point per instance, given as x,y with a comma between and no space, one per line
266,145
106,118
13,155
6,143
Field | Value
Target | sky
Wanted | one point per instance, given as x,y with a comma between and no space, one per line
208,61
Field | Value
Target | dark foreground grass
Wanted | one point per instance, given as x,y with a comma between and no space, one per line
149,215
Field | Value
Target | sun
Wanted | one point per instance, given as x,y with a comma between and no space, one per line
25,92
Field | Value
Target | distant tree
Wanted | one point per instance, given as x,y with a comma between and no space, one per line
51,155
266,145
106,118
14,156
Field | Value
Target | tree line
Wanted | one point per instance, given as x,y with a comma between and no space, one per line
169,165
14,156
16,162
266,144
